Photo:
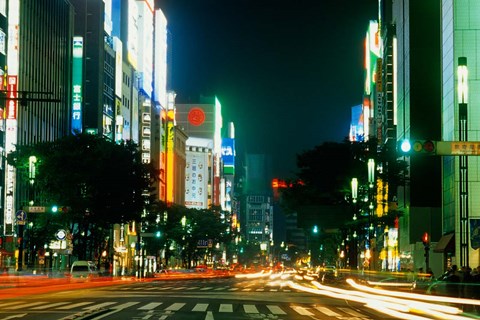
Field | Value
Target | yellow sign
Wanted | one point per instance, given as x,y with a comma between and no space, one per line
458,148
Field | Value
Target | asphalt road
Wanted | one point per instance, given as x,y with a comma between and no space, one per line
202,299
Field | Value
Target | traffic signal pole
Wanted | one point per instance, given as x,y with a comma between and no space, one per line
463,149
463,178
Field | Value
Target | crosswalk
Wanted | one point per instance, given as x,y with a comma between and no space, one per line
168,307
183,288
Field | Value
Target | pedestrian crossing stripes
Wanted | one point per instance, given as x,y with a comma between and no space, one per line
203,289
155,287
306,310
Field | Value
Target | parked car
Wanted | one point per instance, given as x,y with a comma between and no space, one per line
83,269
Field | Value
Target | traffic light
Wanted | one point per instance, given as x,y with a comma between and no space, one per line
408,147
426,245
60,209
158,234
425,239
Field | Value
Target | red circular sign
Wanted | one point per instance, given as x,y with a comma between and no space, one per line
196,116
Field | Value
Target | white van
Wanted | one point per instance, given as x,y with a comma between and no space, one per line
83,269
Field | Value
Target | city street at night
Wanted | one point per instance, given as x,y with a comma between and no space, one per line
245,296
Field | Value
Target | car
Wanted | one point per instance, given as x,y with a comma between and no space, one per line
83,269
327,274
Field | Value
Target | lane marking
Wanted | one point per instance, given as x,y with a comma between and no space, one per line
209,316
175,307
202,307
250,308
275,309
225,308
327,312
353,313
302,311
150,306
51,305
101,305
26,305
71,306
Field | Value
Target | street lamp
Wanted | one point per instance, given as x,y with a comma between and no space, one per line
462,91
371,172
371,195
354,201
354,190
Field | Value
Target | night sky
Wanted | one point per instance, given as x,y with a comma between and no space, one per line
286,72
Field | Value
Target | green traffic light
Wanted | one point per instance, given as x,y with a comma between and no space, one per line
54,209
158,234
315,229
405,146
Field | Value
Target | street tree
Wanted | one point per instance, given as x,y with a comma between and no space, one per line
98,182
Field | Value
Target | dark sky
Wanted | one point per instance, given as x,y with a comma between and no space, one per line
286,72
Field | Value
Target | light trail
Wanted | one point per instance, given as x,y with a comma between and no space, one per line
416,296
400,305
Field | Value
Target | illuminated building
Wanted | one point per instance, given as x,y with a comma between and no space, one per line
356,125
257,212
411,98
460,37
39,59
204,121
198,173
98,84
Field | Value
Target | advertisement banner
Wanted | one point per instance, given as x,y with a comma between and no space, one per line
475,233
196,180
77,80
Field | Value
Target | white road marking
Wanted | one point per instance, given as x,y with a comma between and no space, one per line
225,308
250,308
202,307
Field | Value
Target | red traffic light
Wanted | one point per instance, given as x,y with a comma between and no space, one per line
425,238
428,146
424,146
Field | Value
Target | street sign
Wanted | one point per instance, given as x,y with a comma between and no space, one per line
147,234
202,244
34,209
61,234
21,217
458,148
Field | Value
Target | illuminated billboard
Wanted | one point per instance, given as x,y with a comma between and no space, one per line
196,180
228,156
11,117
118,47
356,125
133,32
145,46
160,88
77,90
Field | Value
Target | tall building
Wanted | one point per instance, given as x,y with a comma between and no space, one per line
416,100
37,57
403,93
257,212
422,73
460,38
98,94
202,123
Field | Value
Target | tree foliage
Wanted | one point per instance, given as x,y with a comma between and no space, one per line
182,228
100,182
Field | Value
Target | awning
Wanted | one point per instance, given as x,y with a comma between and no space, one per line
445,244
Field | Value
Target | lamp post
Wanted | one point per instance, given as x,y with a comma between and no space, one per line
354,201
462,92
371,185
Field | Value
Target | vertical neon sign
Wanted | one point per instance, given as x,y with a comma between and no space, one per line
77,77
11,118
